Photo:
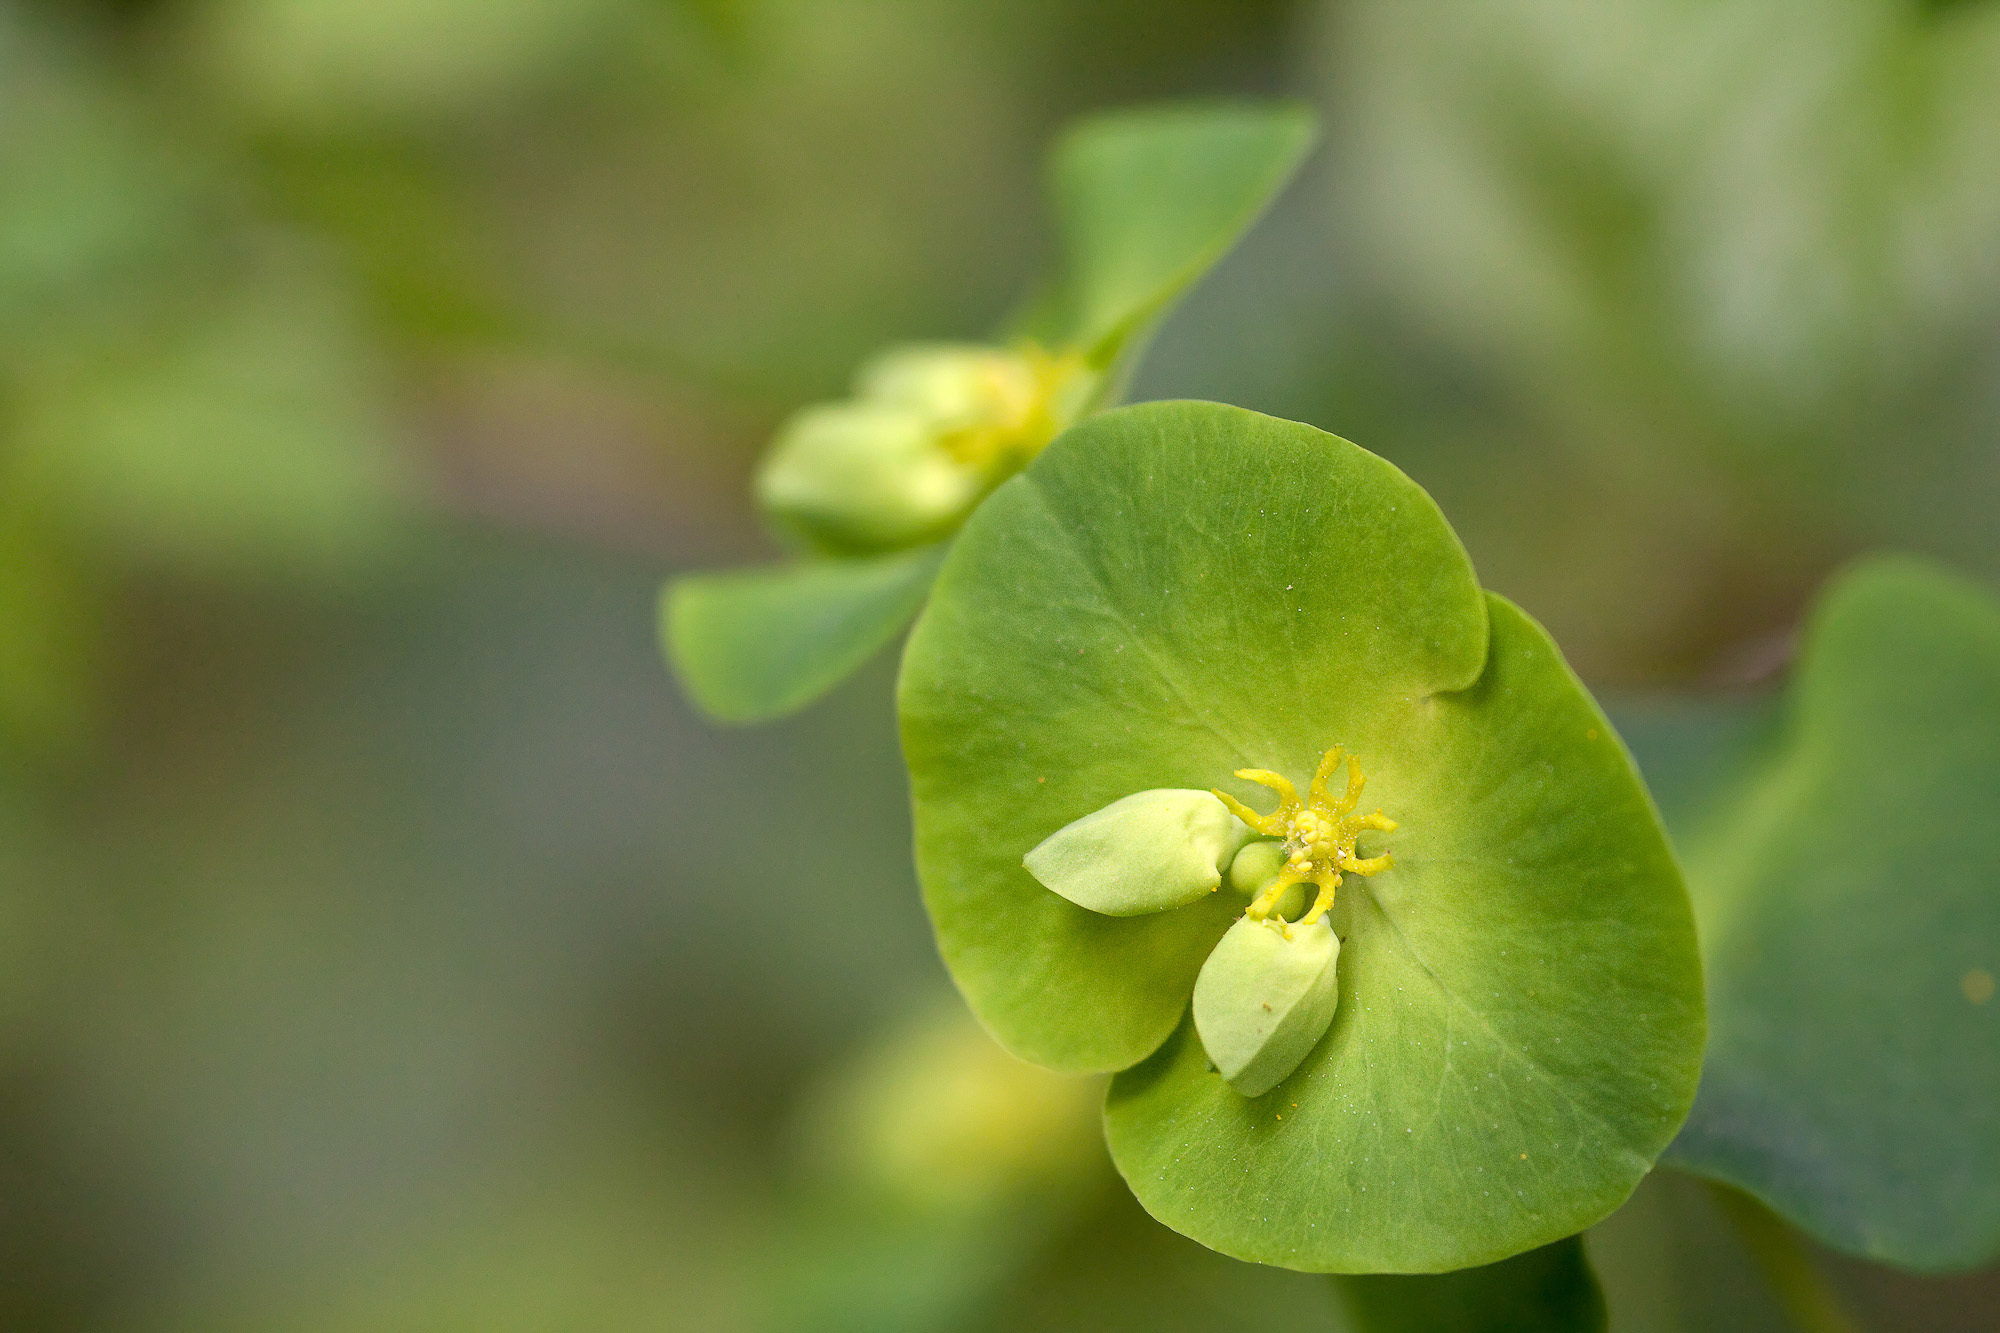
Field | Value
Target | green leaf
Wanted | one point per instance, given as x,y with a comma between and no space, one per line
1178,590
1550,1290
1850,913
1148,200
756,644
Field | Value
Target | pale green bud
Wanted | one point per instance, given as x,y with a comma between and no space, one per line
865,475
953,385
1145,853
1264,998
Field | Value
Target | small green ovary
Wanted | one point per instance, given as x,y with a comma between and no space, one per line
1257,866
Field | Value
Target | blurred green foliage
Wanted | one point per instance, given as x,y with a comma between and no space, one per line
382,943
1849,1079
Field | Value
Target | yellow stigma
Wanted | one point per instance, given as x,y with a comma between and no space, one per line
1024,398
1319,833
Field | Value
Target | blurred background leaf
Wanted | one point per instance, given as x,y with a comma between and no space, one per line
759,643
1849,1080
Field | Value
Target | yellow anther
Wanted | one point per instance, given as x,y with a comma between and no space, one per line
1320,833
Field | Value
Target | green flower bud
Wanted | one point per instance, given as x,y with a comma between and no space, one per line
1145,853
955,386
932,427
1256,866
1264,998
865,475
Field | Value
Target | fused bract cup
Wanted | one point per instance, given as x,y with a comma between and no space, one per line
1178,591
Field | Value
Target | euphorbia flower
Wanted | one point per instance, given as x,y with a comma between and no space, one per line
1175,592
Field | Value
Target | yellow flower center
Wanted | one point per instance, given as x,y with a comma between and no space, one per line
1023,398
1319,832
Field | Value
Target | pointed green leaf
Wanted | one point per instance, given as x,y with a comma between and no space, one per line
1550,1290
756,644
1148,200
1850,909
1178,590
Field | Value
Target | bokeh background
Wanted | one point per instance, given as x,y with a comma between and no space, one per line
384,945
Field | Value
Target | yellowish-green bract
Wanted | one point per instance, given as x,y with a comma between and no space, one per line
1264,998
1190,596
1147,200
1147,852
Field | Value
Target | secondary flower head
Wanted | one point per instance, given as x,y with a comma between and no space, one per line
929,430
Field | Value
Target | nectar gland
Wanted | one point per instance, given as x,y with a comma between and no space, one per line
1319,833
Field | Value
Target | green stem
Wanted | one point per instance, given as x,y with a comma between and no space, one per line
1801,1288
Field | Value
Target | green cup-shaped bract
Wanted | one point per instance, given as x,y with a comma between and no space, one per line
864,475
1264,999
1174,592
1145,853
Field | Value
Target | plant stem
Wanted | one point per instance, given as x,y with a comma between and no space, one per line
1801,1288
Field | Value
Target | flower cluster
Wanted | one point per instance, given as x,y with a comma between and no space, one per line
1268,991
929,430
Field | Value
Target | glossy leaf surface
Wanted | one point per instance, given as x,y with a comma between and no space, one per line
1148,200
756,644
1550,1290
1850,907
1178,590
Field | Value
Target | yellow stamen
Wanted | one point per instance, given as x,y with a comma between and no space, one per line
1320,833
